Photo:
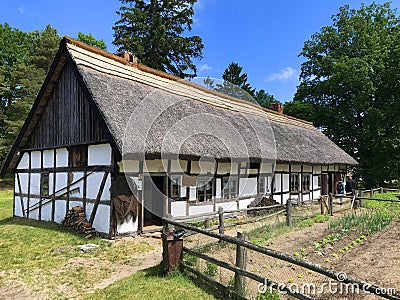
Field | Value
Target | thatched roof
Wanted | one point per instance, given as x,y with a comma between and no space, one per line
151,112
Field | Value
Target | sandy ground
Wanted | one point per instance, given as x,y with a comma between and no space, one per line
17,290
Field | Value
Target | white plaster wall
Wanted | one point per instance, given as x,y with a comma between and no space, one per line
23,177
266,168
192,193
33,214
296,169
232,205
48,158
317,194
277,198
307,168
102,220
93,185
285,178
245,202
325,168
317,170
99,155
128,226
224,168
35,183
178,208
178,165
278,182
61,183
62,157
60,209
79,184
129,166
24,162
46,211
154,166
76,203
18,208
282,168
36,159
306,197
286,197
218,192
200,209
247,186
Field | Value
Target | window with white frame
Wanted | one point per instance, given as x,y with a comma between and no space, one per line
294,183
261,185
175,186
229,187
204,190
305,179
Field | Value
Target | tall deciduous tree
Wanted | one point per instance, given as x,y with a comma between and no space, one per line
90,40
347,88
156,32
25,58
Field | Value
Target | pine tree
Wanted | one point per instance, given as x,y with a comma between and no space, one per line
156,32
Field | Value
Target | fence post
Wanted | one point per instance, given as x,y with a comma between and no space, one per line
289,213
381,190
371,193
221,220
241,258
207,223
331,204
321,199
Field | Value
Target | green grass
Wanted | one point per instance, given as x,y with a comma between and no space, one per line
151,284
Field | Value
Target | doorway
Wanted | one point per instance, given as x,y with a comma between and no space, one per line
154,197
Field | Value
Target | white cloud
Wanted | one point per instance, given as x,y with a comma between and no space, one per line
21,9
282,75
204,67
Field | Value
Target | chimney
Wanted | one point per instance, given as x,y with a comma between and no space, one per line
128,57
277,107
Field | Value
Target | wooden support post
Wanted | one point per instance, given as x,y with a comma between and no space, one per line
241,258
169,227
321,201
53,197
331,204
289,221
207,223
96,204
221,227
381,190
371,193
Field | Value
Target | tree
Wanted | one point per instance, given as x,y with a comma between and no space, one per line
25,59
90,40
264,99
156,32
235,83
346,87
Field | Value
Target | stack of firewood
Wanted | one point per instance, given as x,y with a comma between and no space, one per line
76,218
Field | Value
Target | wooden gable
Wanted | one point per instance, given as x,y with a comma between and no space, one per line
67,118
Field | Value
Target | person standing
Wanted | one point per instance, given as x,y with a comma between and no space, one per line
340,190
351,185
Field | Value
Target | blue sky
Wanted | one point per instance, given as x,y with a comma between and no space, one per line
264,37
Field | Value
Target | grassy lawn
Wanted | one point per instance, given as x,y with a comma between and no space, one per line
150,284
43,260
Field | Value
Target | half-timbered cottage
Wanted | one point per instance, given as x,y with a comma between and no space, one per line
104,128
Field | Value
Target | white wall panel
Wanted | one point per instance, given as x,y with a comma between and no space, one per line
200,209
99,155
266,168
129,166
61,183
218,192
192,193
36,159
178,165
307,168
93,185
247,186
178,208
24,162
18,208
62,157
102,220
278,182
48,158
46,210
59,213
78,184
154,166
130,225
244,203
35,183
285,178
33,214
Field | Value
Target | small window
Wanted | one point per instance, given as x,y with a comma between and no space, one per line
175,187
261,185
78,156
294,183
229,186
204,190
305,182
45,184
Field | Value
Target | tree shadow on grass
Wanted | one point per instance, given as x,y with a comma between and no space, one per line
39,224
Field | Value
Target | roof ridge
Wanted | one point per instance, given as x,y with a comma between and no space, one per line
146,69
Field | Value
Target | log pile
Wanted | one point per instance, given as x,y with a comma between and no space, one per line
262,201
76,219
